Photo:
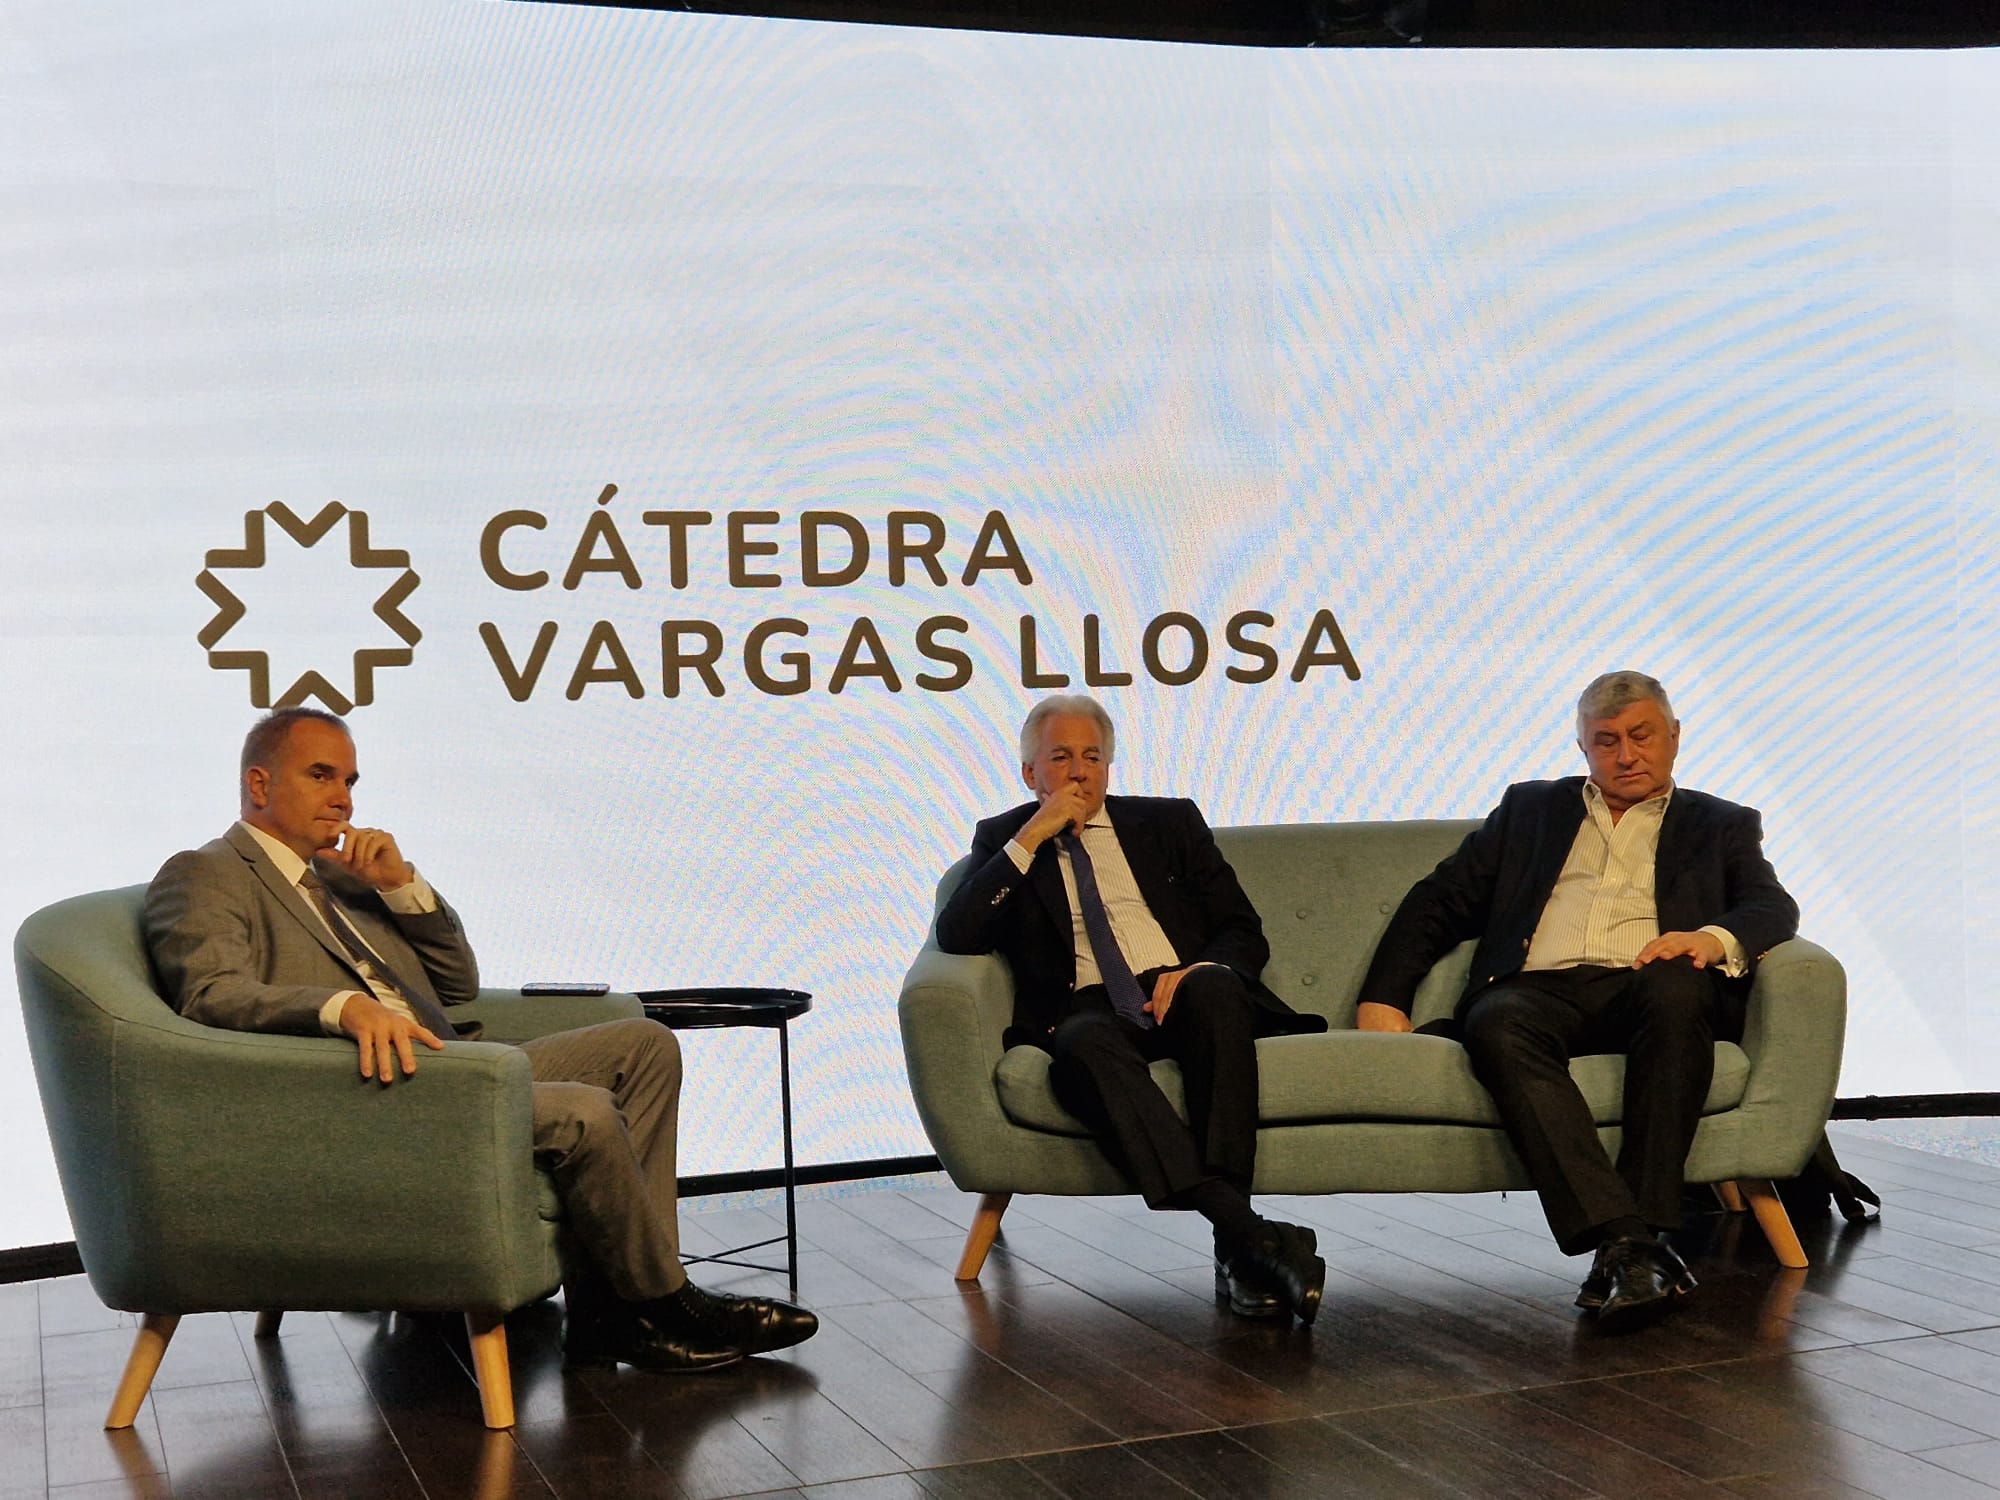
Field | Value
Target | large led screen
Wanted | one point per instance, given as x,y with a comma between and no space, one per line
690,444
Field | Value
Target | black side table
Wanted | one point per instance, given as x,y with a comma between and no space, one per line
703,1009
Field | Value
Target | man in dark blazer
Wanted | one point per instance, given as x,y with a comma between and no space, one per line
1130,941
297,921
1614,913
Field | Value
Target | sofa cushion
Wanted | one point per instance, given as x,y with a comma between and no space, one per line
1356,1075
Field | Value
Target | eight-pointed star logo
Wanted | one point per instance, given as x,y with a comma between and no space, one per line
305,607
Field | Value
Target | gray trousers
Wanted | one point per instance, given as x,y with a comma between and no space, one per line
607,1104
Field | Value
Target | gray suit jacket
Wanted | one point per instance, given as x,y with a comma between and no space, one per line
236,945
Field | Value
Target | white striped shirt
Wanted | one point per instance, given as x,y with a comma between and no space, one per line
1140,936
1603,908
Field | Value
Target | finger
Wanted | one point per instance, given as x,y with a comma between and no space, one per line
405,1053
385,1058
424,1035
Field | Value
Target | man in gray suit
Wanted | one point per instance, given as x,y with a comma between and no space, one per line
297,921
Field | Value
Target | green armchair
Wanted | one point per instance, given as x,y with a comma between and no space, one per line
209,1170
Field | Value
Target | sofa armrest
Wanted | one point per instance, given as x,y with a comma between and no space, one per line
510,1016
953,1011
1793,1032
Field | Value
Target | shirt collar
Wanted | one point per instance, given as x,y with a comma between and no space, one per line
1593,800
289,864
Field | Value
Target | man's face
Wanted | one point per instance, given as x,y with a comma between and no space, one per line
1631,754
1071,753
306,796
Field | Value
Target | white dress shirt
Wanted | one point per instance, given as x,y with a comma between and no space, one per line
1603,908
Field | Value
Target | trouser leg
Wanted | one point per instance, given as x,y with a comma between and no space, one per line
1210,1031
1099,1074
1663,1021
606,1102
1519,1037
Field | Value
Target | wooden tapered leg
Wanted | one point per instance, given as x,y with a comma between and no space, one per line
1775,1222
148,1349
488,1332
268,1321
985,1226
1727,1195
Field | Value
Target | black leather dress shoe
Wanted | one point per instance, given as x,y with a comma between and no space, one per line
598,1335
756,1325
1643,1276
1247,1298
1597,1285
1284,1259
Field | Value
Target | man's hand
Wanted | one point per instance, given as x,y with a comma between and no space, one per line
1068,805
383,1037
1705,948
371,853
1163,992
1373,1017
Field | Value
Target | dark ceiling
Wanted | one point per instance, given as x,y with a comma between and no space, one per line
1447,23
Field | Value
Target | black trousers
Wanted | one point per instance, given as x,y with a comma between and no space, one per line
1099,1074
1665,1018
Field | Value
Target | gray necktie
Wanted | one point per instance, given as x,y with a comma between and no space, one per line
429,1013
1126,997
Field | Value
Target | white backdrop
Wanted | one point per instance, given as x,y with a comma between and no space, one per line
1482,373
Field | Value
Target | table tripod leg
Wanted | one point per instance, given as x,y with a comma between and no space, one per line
791,1176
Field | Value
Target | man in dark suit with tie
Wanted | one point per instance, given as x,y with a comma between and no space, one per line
1614,913
297,921
1130,941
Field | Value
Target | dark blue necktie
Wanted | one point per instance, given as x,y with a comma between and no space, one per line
1126,997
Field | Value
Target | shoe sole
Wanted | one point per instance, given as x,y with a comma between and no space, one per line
1592,1301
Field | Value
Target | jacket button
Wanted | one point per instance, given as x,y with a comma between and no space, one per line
1383,908
1301,913
1307,978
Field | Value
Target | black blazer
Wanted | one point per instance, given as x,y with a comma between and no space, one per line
1187,884
1709,870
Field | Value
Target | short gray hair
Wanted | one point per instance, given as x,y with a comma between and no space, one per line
268,734
1614,692
1065,703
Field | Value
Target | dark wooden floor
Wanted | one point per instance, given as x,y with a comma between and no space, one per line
1092,1362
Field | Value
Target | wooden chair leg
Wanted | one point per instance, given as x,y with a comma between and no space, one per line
268,1321
148,1349
979,1239
488,1333
1727,1195
1775,1222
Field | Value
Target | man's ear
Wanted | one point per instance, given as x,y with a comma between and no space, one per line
1028,775
257,786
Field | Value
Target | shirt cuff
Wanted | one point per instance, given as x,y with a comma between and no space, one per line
1021,857
414,899
329,1013
1735,963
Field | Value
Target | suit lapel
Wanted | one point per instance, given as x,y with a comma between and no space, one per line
289,897
1670,856
1560,830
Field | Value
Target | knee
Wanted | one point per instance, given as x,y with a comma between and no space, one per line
648,1046
1090,1043
1672,993
1500,1031
1214,1000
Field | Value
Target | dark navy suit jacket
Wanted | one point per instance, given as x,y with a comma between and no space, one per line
1709,870
1188,886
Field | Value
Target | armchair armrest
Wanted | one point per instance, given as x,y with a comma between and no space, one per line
263,1171
510,1016
1794,1032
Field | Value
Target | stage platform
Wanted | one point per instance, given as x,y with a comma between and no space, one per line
1092,1362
